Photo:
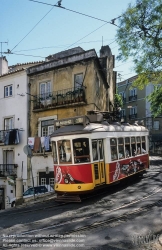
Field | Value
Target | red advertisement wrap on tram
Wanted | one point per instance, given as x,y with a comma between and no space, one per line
73,174
124,168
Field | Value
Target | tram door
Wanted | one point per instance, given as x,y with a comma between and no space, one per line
98,161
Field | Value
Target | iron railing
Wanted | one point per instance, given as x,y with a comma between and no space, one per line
57,98
8,137
133,116
132,98
2,135
8,170
124,100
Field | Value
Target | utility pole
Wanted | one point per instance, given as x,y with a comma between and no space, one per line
1,46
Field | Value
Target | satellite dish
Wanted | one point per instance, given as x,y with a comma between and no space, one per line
27,150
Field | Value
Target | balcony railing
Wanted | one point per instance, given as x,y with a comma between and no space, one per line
123,118
2,136
8,170
133,98
124,100
9,137
133,116
57,98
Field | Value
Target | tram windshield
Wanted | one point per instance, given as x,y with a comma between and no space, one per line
81,150
64,151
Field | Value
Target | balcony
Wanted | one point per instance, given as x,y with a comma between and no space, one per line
59,98
133,116
132,98
9,137
8,170
124,100
123,118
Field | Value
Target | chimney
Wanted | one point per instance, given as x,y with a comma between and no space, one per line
3,65
105,51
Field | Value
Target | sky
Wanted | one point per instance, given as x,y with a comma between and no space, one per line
33,30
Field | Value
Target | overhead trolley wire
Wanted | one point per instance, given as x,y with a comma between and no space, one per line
32,28
77,12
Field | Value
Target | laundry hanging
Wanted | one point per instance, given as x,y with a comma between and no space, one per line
12,137
37,145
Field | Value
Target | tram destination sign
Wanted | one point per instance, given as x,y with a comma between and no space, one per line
71,121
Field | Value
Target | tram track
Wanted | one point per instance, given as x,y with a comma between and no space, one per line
105,211
112,221
31,210
94,195
93,221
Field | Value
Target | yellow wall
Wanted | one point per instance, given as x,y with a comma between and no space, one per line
63,78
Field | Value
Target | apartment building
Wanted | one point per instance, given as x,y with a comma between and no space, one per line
137,108
68,84
13,127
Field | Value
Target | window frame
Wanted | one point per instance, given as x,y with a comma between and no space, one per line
112,146
78,85
47,127
8,91
8,126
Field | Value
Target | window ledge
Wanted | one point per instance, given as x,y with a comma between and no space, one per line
46,154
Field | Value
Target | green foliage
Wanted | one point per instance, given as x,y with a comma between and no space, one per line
118,101
155,99
140,38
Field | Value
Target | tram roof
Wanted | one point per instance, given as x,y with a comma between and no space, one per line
97,127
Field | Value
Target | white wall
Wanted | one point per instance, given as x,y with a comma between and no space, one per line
15,106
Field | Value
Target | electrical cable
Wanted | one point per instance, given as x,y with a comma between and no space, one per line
33,28
60,46
26,55
86,36
59,6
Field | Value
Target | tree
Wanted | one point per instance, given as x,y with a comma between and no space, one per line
155,99
118,101
140,37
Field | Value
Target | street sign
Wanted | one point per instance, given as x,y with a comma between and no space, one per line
27,150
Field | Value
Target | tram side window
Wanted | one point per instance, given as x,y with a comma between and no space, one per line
143,150
94,150
113,146
133,146
101,149
64,151
138,141
121,148
54,150
127,147
81,150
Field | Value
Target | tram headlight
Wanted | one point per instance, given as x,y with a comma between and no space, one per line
79,187
66,181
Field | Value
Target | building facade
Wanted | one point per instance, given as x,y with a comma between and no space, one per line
68,84
13,128
137,108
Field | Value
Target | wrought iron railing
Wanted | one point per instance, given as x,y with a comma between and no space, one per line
57,98
2,136
133,116
132,98
9,137
124,100
8,170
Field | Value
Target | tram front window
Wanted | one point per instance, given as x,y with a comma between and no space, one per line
81,150
64,151
54,152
